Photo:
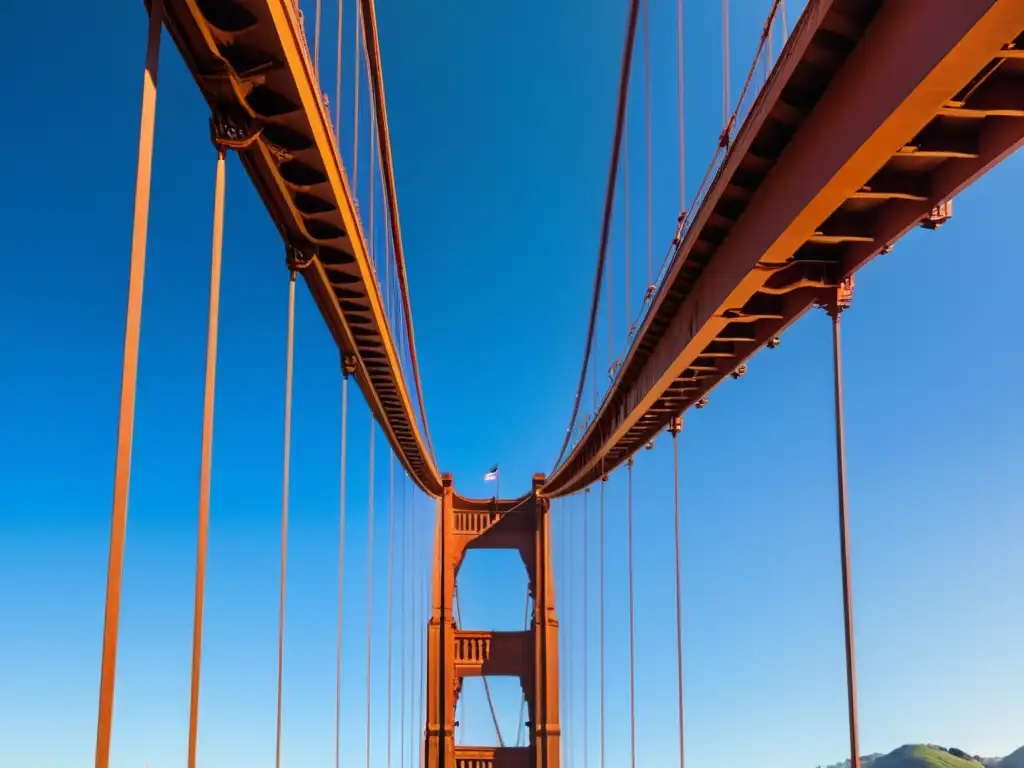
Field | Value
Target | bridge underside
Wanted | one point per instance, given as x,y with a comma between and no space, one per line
454,653
875,116
252,65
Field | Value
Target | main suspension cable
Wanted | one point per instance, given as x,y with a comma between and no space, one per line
346,372
369,593
376,76
620,117
494,716
632,659
206,453
284,503
487,688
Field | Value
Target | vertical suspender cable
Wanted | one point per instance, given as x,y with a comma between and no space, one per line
522,703
370,583
403,536
443,522
129,373
586,628
369,576
206,454
632,659
412,626
417,638
600,568
337,79
369,594
609,290
341,561
371,178
625,220
650,158
679,106
284,503
840,302
391,581
675,427
570,635
386,293
425,608
316,42
355,107
726,102
785,24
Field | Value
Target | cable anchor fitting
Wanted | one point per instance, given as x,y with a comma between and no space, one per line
298,257
232,129
840,299
348,365
675,426
702,402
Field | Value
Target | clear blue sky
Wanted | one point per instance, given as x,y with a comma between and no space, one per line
501,117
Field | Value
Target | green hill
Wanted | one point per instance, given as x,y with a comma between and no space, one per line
931,756
921,756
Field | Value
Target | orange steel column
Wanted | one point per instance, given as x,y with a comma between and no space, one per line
440,737
546,727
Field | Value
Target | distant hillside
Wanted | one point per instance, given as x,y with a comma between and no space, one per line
922,756
1013,760
933,756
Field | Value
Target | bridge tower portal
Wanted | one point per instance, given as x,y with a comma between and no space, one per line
454,652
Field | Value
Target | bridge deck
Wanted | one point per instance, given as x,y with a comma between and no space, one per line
875,115
251,61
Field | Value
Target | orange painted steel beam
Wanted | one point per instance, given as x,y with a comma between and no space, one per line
824,174
251,59
492,757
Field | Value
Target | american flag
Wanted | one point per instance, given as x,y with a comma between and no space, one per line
492,474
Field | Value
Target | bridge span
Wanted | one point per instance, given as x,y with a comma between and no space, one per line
875,116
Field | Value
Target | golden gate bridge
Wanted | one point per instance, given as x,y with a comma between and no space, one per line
856,122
